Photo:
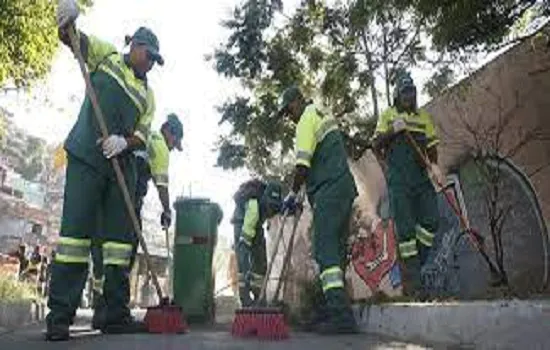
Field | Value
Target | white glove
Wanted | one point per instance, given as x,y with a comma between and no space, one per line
113,145
399,125
437,177
67,12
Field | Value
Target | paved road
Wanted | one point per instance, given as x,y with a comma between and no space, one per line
31,338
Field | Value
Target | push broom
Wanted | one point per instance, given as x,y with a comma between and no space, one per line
166,317
261,321
474,236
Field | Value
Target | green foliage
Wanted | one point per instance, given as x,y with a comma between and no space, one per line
28,33
335,53
32,164
11,290
440,80
470,24
25,153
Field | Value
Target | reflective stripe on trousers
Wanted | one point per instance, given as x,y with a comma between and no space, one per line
115,253
332,277
408,249
73,250
424,236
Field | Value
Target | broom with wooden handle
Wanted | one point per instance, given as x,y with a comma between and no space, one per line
158,319
472,234
258,320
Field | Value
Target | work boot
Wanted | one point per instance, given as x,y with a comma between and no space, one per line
244,296
97,319
339,316
58,331
99,311
411,278
96,323
127,325
317,317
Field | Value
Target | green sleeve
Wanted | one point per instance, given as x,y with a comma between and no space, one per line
305,137
97,51
383,124
251,218
159,161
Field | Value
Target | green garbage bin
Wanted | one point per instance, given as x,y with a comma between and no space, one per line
197,221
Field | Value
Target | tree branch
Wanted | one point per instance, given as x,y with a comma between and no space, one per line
408,46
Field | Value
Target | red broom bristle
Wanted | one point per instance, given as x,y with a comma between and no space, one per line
265,324
165,319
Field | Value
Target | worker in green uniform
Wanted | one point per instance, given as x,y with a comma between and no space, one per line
154,163
127,103
255,202
321,163
413,199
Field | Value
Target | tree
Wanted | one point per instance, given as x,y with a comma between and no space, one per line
473,24
338,54
28,34
439,81
24,152
490,135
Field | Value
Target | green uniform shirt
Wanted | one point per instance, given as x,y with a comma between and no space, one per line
158,156
126,102
419,124
404,167
319,146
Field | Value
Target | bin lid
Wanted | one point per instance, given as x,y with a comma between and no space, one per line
181,201
198,202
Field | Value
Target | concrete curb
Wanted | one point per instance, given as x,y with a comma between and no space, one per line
18,314
480,324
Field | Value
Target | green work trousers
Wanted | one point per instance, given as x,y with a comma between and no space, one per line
416,218
331,191
252,266
88,192
413,204
331,219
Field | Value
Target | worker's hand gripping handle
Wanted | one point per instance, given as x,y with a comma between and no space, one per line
75,44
